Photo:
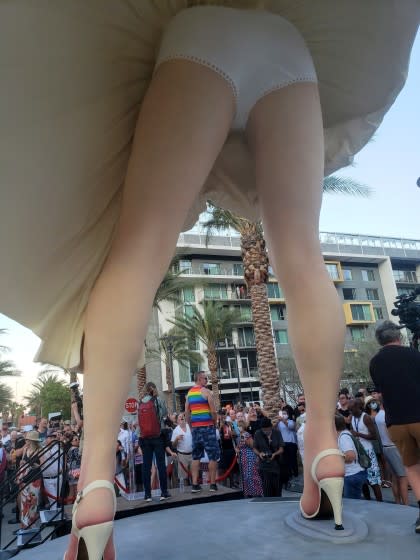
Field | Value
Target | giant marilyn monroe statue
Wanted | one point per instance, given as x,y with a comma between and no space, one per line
118,120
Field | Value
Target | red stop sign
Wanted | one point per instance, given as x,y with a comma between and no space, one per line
131,405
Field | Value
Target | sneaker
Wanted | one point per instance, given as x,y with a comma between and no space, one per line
195,488
417,525
165,496
213,488
148,498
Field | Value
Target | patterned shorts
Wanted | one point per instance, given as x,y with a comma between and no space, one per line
204,439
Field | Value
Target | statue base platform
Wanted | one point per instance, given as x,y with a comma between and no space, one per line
264,528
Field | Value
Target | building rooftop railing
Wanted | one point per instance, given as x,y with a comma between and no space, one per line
340,243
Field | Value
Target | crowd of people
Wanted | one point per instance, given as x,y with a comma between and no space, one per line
238,445
43,464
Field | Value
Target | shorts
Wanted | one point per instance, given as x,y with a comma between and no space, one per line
184,465
204,439
256,52
407,438
393,458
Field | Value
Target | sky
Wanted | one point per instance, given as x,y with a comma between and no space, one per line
389,165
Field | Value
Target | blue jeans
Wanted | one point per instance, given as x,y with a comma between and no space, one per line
150,446
353,485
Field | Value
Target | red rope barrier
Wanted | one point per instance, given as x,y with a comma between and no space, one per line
220,478
65,501
227,473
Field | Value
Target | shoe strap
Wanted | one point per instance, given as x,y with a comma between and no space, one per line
315,462
96,484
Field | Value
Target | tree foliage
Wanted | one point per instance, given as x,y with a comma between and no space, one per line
49,394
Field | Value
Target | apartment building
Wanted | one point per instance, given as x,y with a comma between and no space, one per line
368,273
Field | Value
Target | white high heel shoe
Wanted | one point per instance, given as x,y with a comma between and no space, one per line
330,493
93,538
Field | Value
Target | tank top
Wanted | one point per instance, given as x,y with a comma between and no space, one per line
199,408
359,426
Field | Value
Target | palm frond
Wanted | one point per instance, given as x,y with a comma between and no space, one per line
333,184
8,368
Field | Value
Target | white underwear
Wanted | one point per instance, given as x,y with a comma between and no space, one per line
257,52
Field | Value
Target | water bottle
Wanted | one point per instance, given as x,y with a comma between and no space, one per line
205,479
181,486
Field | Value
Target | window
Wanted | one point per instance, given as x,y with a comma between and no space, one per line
347,274
187,370
379,314
360,312
408,276
274,291
189,310
246,336
238,269
281,337
246,313
372,294
368,275
358,333
349,293
185,267
188,295
215,291
211,268
278,312
333,271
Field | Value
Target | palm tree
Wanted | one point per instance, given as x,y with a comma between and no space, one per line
211,327
49,394
7,367
174,346
169,290
255,261
6,396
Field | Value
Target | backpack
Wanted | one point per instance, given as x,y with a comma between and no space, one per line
149,423
363,457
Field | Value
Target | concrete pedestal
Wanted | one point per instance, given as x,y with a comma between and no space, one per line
259,529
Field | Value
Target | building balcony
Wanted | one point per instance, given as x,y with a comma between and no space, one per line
216,271
244,374
359,312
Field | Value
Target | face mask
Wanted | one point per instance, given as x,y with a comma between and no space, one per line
285,415
374,406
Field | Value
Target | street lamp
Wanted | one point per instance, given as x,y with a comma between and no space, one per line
238,371
225,344
169,340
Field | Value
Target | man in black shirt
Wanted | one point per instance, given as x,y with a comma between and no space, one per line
395,370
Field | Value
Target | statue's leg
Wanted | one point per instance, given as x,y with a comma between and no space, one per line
286,134
183,123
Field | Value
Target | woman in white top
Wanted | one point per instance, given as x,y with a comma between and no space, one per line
363,428
355,476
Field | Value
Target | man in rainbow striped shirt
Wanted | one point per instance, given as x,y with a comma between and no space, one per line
200,413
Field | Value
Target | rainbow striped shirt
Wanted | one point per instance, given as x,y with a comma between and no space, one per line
199,408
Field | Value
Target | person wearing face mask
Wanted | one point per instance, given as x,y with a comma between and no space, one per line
372,408
287,427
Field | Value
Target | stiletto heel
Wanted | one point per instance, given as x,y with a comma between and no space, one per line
330,493
93,538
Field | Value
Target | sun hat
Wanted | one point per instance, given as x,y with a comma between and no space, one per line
32,436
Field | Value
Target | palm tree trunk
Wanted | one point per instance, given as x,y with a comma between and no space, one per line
266,358
212,362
